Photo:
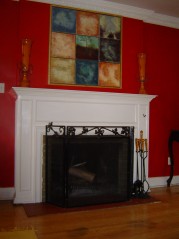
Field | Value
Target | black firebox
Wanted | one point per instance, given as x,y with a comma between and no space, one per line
88,165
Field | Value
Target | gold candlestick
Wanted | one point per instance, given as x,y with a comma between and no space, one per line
141,141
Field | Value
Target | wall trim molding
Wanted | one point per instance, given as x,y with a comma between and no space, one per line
145,15
7,193
155,182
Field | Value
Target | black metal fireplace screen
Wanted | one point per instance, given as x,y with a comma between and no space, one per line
88,165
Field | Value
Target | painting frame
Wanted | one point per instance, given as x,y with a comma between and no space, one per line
80,55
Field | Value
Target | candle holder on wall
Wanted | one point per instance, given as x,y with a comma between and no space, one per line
142,63
25,67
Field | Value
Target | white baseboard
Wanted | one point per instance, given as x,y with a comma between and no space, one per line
7,193
162,181
154,182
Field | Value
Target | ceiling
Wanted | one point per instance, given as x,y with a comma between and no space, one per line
165,7
160,12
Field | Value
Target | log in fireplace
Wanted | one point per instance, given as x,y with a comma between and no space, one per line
88,165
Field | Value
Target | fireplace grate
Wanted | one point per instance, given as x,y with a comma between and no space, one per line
88,164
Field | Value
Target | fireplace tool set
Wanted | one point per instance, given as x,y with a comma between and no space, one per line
141,185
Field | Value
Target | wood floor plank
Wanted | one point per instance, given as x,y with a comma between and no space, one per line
144,221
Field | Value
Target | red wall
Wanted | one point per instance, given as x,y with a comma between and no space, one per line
8,71
31,20
161,45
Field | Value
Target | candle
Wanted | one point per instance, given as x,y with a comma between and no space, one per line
137,145
26,47
146,145
142,61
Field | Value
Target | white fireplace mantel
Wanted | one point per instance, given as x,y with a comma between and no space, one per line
35,108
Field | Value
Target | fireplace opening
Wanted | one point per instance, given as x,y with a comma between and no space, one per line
88,165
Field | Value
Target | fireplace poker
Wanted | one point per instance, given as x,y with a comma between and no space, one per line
141,150
138,185
144,174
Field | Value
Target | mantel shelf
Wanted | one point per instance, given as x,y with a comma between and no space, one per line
83,95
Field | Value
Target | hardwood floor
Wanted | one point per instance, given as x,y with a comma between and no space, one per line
145,221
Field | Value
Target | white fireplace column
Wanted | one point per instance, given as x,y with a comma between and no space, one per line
35,108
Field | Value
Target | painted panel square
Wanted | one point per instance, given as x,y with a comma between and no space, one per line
110,27
62,71
109,50
87,23
87,73
87,47
109,75
63,20
63,45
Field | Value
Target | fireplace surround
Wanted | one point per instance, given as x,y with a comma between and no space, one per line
36,107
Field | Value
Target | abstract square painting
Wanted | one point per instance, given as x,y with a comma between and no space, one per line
84,48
